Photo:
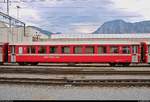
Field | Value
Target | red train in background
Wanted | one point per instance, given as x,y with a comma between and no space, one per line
114,53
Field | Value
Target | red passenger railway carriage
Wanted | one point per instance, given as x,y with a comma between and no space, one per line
120,53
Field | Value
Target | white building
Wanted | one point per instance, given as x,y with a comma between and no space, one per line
32,32
16,34
3,32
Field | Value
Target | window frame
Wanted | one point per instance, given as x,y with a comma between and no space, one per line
63,50
137,48
42,48
148,49
30,49
113,51
20,49
104,49
55,51
129,49
93,49
79,51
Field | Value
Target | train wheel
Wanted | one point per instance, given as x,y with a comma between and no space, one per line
22,63
123,64
34,64
126,64
112,64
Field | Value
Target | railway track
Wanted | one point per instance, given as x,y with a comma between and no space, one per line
73,71
75,65
77,82
73,80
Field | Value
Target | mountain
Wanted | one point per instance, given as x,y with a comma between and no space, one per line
120,27
41,30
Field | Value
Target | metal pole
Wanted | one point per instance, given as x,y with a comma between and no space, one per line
8,7
9,19
24,32
18,11
10,31
17,18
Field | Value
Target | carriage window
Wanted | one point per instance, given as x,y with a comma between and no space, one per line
89,49
31,49
78,49
53,49
65,49
42,49
0,49
20,50
114,49
101,49
126,50
13,49
149,49
134,49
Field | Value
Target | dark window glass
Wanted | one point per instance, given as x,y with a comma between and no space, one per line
31,49
53,49
126,50
65,50
42,49
114,49
78,49
89,49
28,49
101,49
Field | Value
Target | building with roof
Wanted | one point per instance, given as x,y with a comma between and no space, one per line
104,37
16,34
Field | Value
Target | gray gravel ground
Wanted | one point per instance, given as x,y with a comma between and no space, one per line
13,75
41,92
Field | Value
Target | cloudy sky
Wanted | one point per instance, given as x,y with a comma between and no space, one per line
77,16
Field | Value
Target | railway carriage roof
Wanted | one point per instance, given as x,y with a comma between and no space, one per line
76,42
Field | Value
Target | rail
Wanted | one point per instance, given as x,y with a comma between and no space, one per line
72,71
75,82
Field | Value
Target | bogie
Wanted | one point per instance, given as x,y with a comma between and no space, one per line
34,63
23,63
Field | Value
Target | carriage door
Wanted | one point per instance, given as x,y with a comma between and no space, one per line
134,53
1,58
13,55
144,52
148,54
